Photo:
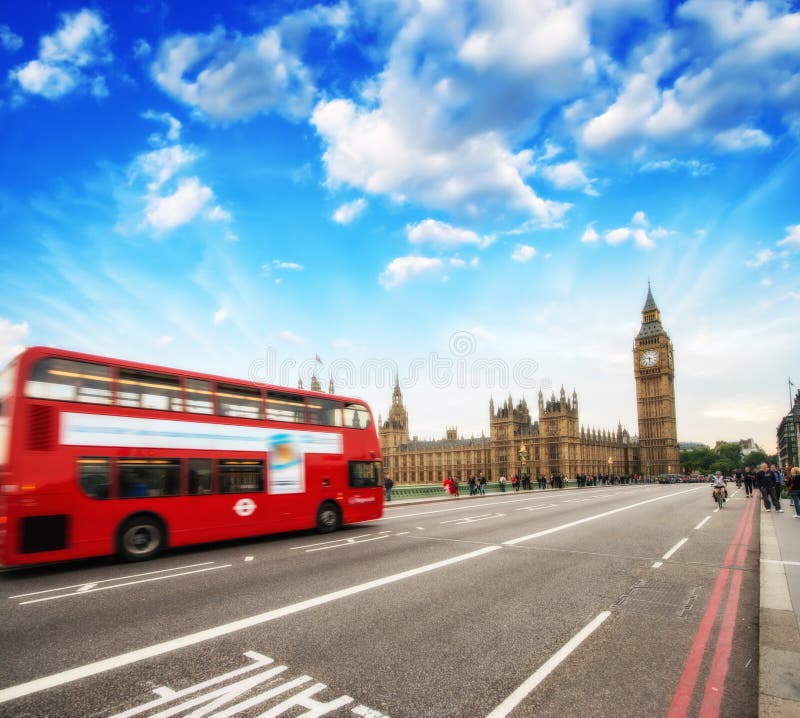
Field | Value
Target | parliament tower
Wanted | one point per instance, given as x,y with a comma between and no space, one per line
654,370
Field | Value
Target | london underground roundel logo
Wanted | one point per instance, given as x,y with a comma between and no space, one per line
245,507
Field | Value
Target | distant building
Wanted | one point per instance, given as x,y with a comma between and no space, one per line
789,435
749,446
689,445
554,442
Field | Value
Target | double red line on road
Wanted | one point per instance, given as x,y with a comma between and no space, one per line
714,689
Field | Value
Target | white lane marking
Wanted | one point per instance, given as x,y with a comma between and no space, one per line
248,558
166,695
86,587
365,712
536,508
472,519
784,563
700,525
715,510
158,649
674,549
349,542
323,543
121,585
657,564
420,528
510,703
118,578
402,533
545,532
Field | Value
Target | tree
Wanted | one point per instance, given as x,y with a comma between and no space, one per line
729,454
756,458
699,459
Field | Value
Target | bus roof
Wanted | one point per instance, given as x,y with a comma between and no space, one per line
31,355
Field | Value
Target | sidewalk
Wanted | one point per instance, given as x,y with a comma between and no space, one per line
779,616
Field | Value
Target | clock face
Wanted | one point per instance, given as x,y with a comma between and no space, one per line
649,358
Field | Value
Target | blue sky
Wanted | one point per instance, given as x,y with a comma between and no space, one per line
473,193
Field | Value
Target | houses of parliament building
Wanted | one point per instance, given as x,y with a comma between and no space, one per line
556,443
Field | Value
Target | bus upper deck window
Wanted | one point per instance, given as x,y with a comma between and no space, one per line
356,416
239,401
282,406
325,412
148,390
199,398
69,380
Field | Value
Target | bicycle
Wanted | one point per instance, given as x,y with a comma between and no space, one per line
719,496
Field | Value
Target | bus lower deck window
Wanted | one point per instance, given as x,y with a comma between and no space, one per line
139,478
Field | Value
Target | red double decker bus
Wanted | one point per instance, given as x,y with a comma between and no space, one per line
101,456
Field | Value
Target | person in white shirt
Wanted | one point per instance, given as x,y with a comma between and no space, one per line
719,483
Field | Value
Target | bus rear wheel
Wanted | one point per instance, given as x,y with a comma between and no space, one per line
140,538
329,518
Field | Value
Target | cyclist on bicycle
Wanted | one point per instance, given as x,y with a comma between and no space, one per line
719,485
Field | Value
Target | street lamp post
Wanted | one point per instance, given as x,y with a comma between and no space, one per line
610,463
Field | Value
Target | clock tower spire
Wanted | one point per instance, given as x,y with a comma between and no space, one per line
654,371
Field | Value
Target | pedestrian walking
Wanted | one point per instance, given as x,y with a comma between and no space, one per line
793,484
502,483
768,485
473,486
388,485
482,484
748,477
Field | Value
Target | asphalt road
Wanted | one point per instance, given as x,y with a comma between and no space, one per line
550,604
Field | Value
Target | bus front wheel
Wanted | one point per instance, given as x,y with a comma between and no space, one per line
140,538
329,518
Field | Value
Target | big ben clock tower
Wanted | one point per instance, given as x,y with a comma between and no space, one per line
654,370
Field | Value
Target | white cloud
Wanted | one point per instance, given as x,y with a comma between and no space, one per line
180,207
761,258
722,69
589,234
639,231
445,122
280,265
10,41
173,124
166,339
217,214
98,87
347,212
49,81
81,40
141,48
444,235
231,236
523,253
370,150
342,343
792,238
291,337
163,164
696,168
230,77
569,175
457,262
220,315
402,269
742,138
12,337
766,282
80,43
